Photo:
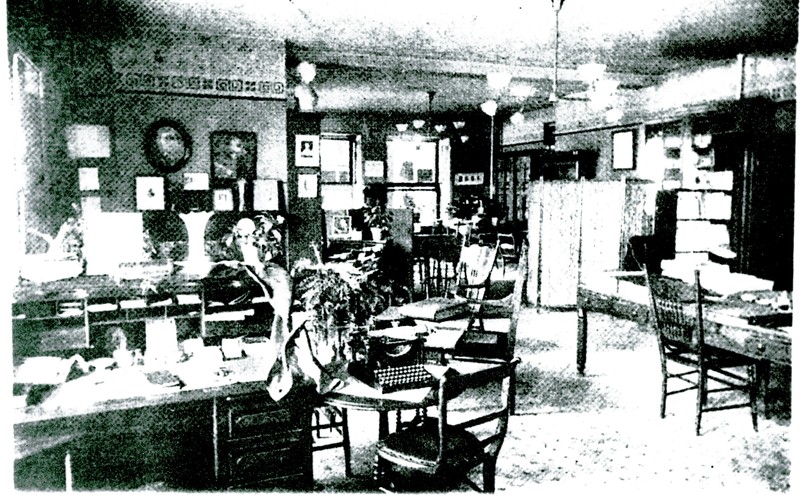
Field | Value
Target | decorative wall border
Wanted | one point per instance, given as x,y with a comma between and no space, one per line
199,85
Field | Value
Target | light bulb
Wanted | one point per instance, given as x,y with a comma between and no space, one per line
517,118
489,107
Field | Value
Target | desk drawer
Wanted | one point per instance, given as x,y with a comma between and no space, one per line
258,414
777,352
259,464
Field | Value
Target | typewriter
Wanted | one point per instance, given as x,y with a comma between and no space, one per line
390,364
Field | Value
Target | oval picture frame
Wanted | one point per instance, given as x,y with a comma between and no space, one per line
167,145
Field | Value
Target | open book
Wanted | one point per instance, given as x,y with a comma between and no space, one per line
435,309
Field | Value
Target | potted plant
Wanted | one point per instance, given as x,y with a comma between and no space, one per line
378,218
337,299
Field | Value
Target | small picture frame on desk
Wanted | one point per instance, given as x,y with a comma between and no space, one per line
341,226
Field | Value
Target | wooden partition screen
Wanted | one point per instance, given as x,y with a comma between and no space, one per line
576,227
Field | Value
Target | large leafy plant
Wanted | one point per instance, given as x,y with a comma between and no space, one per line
342,293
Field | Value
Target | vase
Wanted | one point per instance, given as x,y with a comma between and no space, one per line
197,260
377,233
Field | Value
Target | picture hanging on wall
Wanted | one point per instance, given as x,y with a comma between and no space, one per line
233,156
306,150
341,225
167,145
149,193
624,148
307,185
223,200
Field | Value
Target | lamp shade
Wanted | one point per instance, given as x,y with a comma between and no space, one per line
517,118
489,107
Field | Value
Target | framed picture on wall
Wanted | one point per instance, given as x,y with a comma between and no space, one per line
233,156
167,145
306,151
624,150
336,159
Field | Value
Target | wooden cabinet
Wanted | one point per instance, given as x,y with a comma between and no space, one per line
692,223
264,444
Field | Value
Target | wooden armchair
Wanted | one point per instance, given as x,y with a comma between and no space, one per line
441,452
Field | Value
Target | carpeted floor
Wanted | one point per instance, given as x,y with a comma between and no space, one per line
602,431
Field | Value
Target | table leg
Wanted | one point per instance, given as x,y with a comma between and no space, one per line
383,424
762,378
582,336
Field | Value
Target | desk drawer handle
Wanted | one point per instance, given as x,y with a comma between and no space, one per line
263,419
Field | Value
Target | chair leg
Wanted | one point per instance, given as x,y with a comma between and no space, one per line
379,473
512,390
664,379
317,423
762,382
489,468
702,382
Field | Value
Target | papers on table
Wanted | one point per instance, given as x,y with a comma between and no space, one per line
435,337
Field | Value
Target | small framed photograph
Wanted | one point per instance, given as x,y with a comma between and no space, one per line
167,145
624,150
341,225
88,179
195,181
306,150
223,200
233,156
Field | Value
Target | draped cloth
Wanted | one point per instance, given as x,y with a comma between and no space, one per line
291,359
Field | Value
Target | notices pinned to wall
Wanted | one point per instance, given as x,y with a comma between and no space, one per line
150,193
88,179
223,200
307,185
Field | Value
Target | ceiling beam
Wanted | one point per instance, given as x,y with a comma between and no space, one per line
450,66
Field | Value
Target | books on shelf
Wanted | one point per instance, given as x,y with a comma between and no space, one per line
435,309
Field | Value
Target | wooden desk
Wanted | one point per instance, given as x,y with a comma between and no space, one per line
619,294
218,431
